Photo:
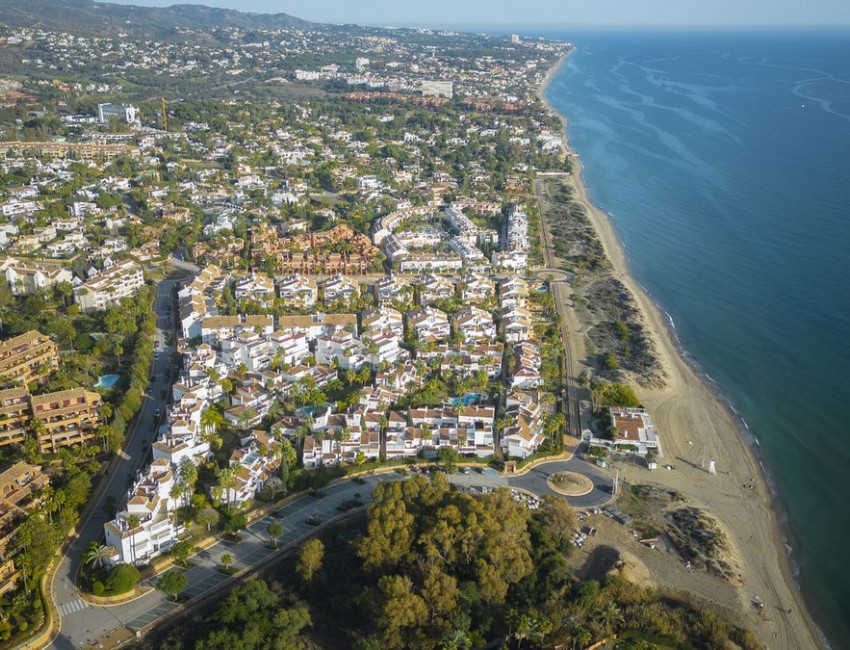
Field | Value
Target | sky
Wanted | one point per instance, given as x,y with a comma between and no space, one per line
399,13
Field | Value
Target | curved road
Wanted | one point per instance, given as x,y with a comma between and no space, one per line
535,481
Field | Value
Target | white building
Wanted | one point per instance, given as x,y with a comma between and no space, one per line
107,288
150,500
437,88
123,112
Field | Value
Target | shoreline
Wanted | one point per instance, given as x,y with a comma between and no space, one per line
692,400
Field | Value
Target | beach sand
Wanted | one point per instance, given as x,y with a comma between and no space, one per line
695,425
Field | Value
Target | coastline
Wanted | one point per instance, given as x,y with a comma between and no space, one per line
696,421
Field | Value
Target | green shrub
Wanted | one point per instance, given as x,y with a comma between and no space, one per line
122,579
97,588
23,626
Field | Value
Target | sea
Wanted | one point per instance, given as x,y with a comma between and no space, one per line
723,160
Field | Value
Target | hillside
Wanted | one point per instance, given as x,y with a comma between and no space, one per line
85,17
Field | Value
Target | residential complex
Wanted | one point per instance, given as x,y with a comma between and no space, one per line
107,288
27,358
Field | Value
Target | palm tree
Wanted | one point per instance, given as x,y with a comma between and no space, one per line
580,636
97,555
188,473
227,479
226,560
133,522
275,410
246,417
610,617
455,640
211,420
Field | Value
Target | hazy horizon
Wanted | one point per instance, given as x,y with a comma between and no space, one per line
550,14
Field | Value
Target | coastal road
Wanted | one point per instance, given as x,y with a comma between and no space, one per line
560,295
74,625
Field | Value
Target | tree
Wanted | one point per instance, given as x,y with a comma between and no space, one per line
172,583
133,522
609,617
226,560
309,561
207,517
449,457
181,551
275,531
275,484
402,610
122,579
96,555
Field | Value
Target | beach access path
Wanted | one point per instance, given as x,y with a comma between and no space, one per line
695,424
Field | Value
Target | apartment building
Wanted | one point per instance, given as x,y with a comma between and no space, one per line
20,486
150,500
14,415
28,357
107,288
69,417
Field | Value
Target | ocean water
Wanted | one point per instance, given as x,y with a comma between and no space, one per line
724,161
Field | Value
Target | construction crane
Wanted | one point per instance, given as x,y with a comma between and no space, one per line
164,116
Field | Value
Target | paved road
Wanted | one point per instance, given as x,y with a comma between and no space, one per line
83,623
74,612
535,481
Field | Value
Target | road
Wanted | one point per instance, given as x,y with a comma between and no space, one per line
74,626
560,294
83,624
535,481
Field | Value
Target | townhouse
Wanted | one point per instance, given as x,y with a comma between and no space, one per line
27,277
525,367
523,430
218,328
149,499
338,289
428,325
297,291
391,289
432,288
258,288
475,325
385,319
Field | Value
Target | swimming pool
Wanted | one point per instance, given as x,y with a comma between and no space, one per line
466,400
107,381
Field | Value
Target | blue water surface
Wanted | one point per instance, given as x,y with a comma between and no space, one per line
724,160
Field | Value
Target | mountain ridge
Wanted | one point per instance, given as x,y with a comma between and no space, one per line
85,17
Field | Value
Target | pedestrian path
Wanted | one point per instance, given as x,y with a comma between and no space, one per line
74,606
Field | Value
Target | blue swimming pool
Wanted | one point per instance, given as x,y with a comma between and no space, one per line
466,400
107,381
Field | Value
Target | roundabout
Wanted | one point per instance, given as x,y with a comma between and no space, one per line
554,275
570,484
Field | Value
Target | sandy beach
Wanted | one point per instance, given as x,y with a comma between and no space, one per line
696,425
